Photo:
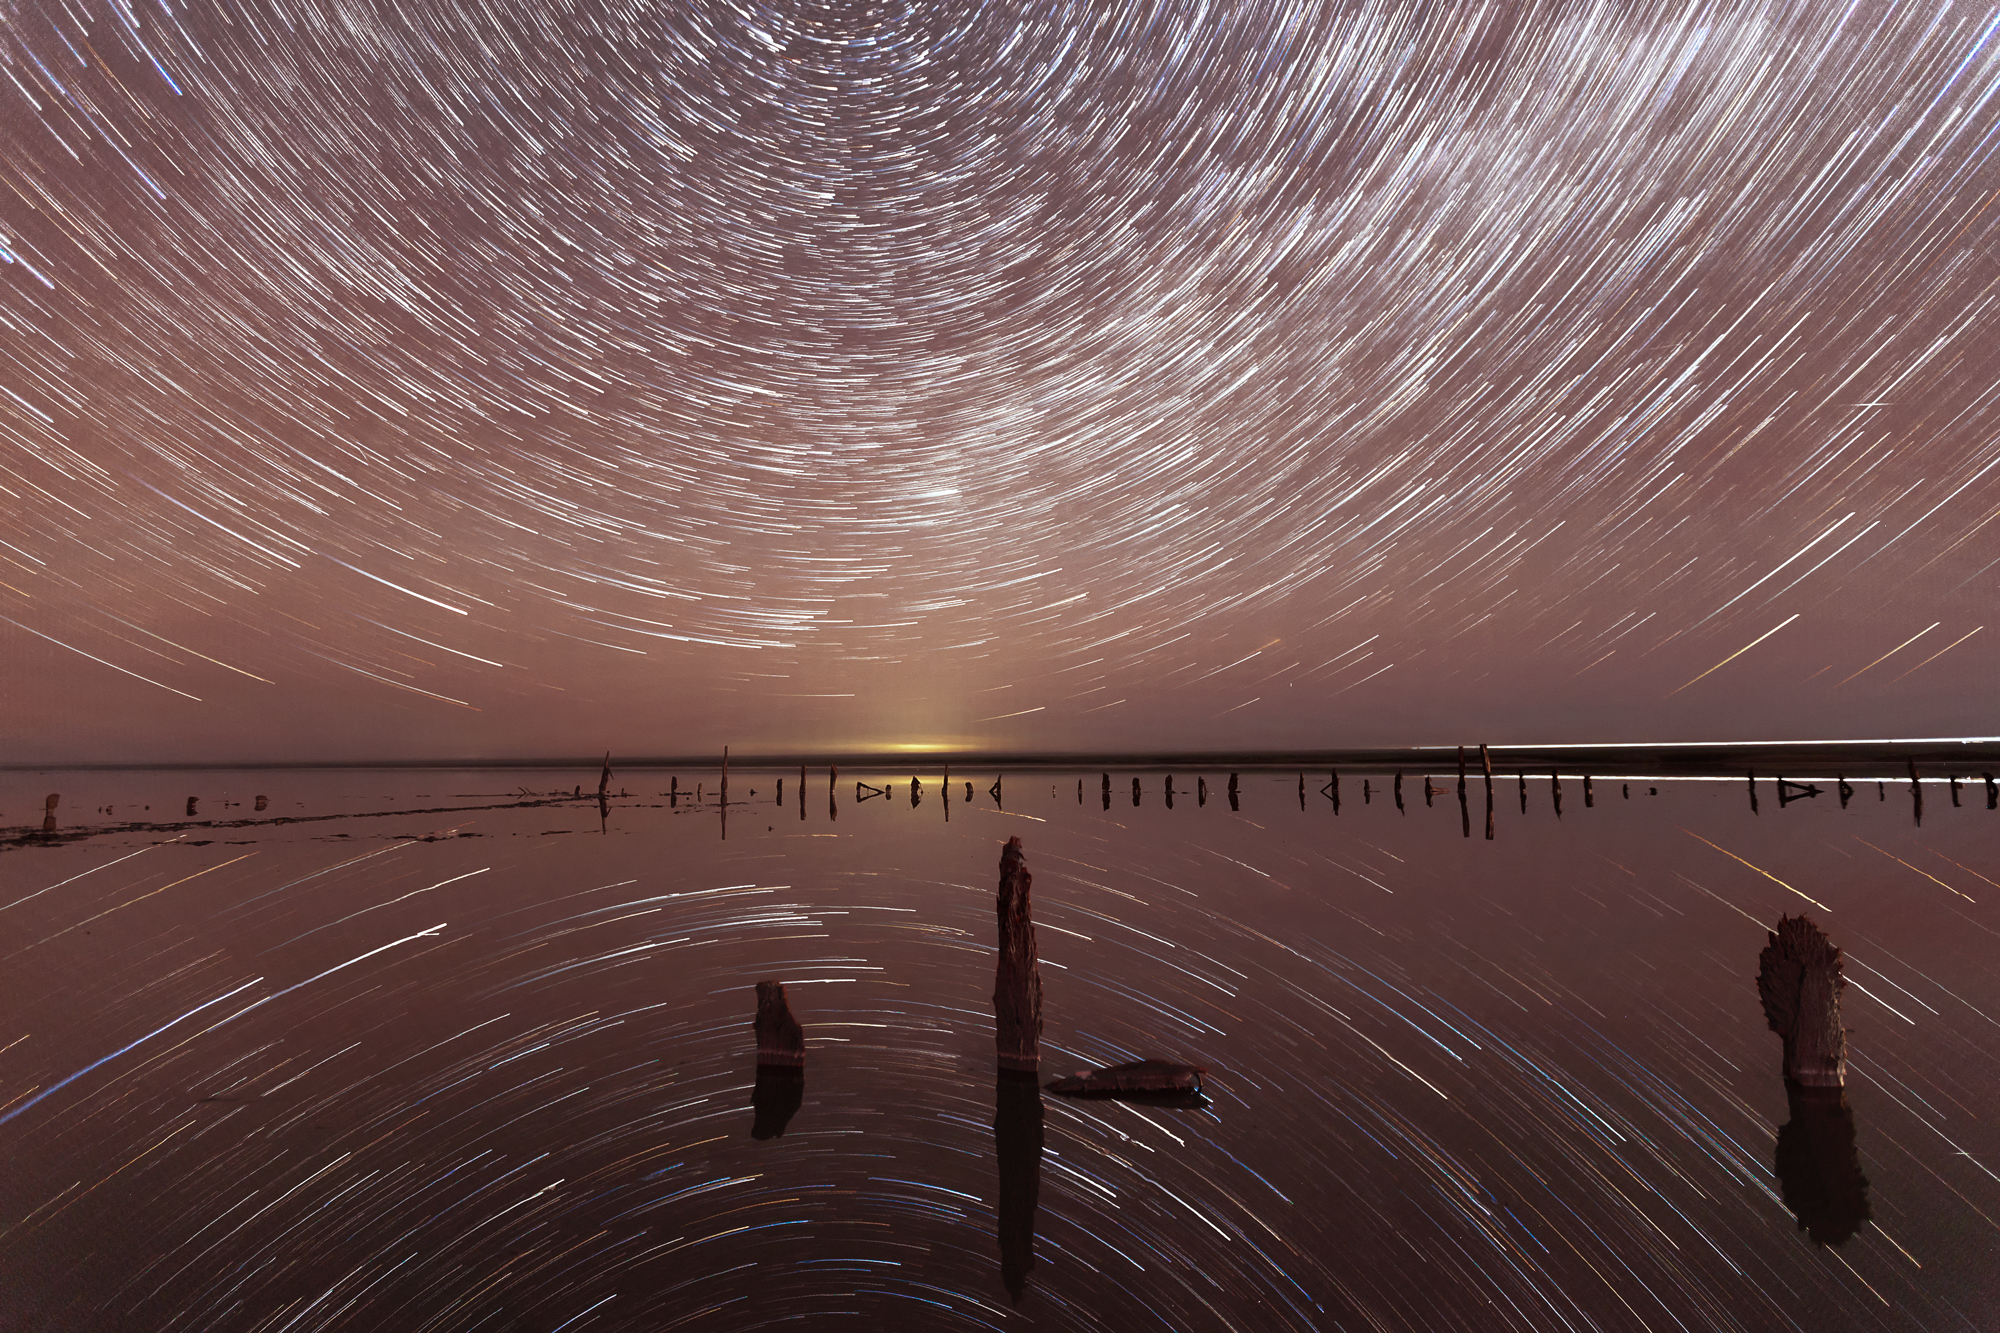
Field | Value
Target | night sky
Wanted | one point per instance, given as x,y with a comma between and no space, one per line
433,380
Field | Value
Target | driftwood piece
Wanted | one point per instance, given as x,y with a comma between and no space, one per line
1799,980
1017,978
780,1039
1139,1078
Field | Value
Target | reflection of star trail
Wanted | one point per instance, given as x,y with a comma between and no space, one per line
613,367
1529,1077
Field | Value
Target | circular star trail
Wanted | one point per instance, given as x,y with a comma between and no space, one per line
1106,366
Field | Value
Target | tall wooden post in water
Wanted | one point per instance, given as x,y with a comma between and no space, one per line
1017,977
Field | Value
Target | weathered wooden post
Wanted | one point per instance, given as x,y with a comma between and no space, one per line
191,811
725,778
1367,791
1135,789
1589,797
781,1056
1753,791
1464,810
1017,977
1302,791
49,811
1916,793
263,802
1429,791
1954,791
1522,778
1486,763
1399,795
1333,781
1992,792
1818,1169
1170,791
604,779
1201,791
1799,980
780,1039
1556,791
1845,791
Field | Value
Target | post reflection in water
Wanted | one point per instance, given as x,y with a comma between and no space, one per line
1017,1141
1818,1167
780,1091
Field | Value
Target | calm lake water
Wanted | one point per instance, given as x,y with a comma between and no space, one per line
492,1068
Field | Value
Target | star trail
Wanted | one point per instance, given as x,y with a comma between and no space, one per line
391,381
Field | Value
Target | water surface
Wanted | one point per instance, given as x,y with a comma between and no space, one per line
489,1065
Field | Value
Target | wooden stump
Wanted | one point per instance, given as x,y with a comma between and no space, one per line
1017,978
780,1039
1799,980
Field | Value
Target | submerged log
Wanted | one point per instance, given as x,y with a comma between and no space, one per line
1017,978
780,1039
1799,980
1139,1078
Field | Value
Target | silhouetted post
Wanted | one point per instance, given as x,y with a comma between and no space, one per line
781,793
916,793
1429,791
1201,791
1170,791
1464,810
802,792
1486,763
1753,791
1954,791
1799,980
673,792
1079,790
1135,789
1302,791
994,790
1367,792
1992,792
1556,791
1399,795
49,811
725,778
1845,790
604,779
191,807
1333,781
263,802
1522,778
1017,979
780,1039
1625,789
1589,797
1916,793
1818,1168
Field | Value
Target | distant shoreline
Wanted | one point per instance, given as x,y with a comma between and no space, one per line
1667,759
